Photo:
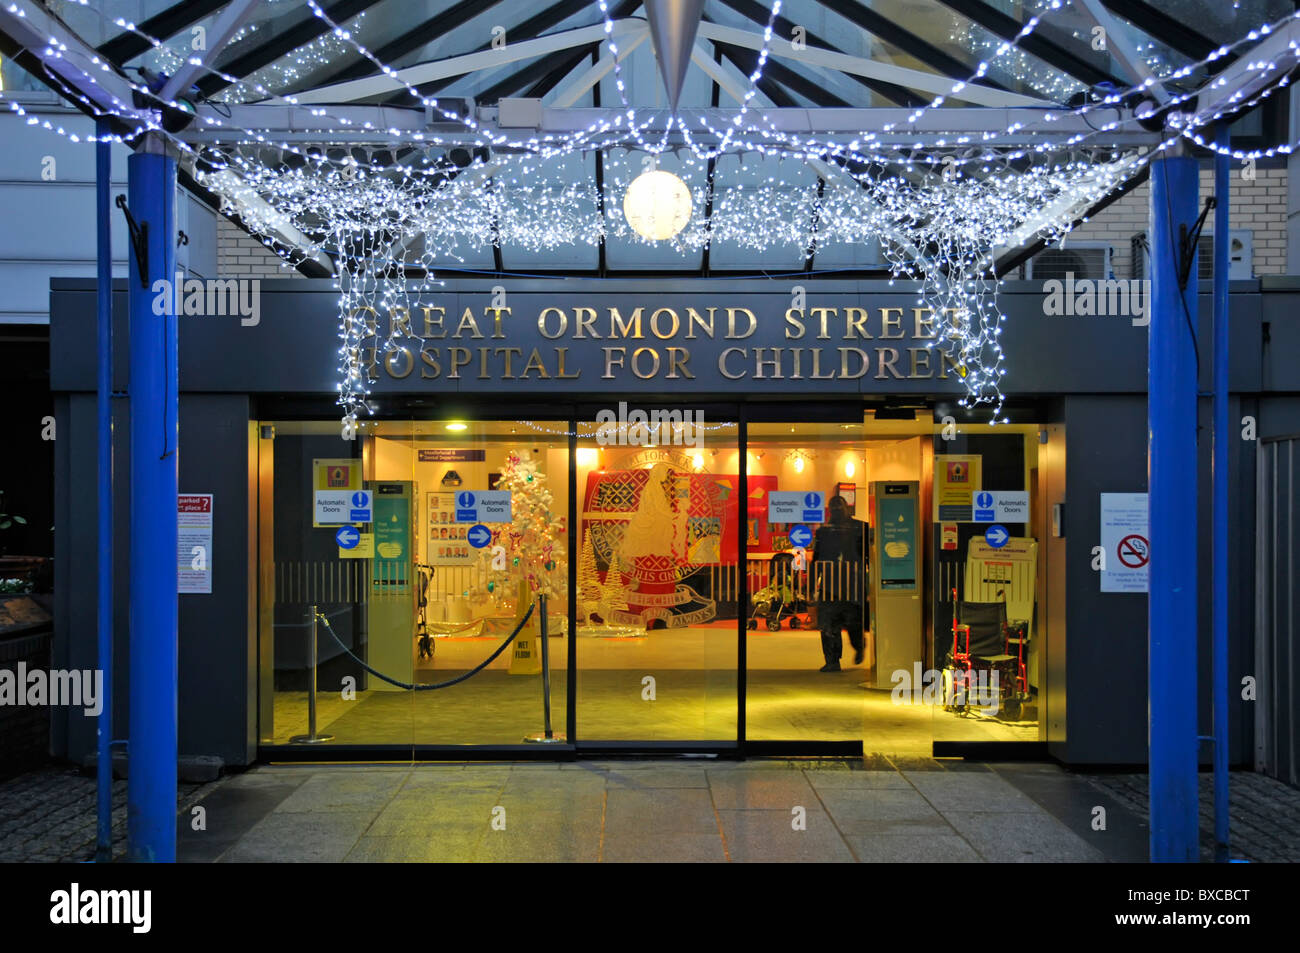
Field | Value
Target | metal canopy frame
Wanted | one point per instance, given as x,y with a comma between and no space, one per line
558,55
45,45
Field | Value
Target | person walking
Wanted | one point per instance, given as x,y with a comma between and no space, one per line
839,555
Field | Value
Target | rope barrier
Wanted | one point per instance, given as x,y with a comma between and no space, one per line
428,688
303,625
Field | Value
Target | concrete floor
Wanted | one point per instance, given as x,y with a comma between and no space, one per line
639,812
694,688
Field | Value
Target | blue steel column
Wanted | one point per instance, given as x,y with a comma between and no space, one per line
104,406
1222,178
1171,439
151,784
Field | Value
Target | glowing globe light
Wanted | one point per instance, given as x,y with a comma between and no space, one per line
657,205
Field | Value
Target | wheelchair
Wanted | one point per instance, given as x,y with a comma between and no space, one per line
984,643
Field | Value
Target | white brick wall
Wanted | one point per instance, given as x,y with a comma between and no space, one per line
1259,204
240,255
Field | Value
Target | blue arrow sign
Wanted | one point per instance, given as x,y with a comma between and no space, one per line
479,536
347,537
800,535
996,536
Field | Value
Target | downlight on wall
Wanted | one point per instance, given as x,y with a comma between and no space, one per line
657,205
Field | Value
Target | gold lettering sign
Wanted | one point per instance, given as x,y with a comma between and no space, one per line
390,341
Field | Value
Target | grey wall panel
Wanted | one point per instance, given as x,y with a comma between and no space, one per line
214,638
76,554
1279,415
1242,502
1277,741
1280,315
26,298
215,628
1106,633
1053,602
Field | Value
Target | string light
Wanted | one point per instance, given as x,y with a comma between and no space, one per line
939,210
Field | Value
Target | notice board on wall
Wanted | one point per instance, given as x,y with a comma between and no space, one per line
956,479
1125,542
194,542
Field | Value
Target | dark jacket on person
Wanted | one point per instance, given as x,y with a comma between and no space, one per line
833,543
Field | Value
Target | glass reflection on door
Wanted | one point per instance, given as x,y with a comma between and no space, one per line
415,597
807,630
657,584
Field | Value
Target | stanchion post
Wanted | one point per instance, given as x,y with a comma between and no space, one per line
547,736
311,738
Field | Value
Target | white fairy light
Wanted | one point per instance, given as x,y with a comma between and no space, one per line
938,208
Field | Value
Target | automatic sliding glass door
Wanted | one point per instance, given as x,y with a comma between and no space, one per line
660,502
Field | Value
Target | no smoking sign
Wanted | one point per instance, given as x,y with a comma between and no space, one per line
1134,551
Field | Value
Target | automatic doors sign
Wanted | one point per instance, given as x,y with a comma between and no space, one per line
334,482
1001,506
800,536
996,536
483,506
784,506
1124,542
335,507
479,536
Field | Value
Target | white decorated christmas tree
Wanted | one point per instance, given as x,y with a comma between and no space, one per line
533,541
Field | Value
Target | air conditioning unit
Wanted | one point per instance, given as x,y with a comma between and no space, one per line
1081,259
1241,255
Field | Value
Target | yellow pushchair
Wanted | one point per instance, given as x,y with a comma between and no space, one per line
782,597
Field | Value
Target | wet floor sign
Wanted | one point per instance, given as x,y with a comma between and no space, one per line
527,657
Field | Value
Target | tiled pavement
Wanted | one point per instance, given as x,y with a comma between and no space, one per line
49,815
634,811
1263,825
640,812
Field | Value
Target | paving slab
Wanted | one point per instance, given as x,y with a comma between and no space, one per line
666,778
325,837
326,791
760,790
770,837
913,849
660,812
980,791
857,780
1022,838
672,847
444,847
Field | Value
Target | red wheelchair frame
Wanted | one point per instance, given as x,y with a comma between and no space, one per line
956,687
